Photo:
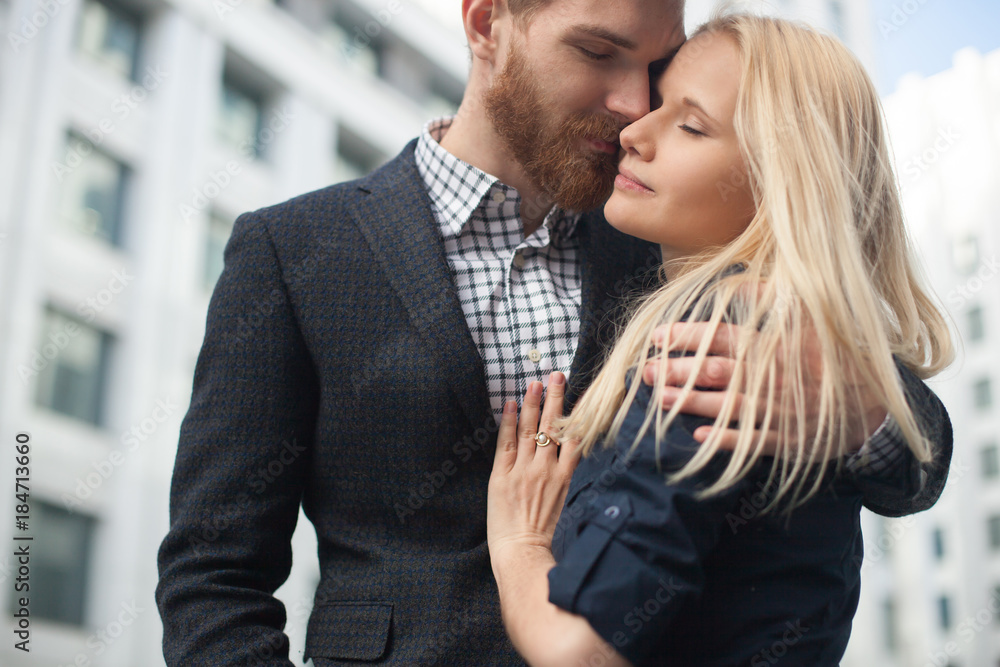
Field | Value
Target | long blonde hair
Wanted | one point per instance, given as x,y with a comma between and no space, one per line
826,252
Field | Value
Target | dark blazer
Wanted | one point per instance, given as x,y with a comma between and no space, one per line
338,372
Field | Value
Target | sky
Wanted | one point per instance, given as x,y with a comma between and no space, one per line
922,35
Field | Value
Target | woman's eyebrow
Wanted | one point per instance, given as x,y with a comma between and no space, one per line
694,103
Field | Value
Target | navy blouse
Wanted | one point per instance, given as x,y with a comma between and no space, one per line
671,580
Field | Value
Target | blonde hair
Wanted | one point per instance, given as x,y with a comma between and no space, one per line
826,252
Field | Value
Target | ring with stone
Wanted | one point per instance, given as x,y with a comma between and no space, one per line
542,439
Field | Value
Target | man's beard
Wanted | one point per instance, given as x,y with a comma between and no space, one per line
552,150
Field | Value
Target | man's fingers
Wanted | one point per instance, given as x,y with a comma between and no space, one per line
687,336
699,403
715,372
506,455
730,436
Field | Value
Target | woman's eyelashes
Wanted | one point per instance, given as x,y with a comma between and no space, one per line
690,130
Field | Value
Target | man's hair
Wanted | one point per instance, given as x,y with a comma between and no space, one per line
524,10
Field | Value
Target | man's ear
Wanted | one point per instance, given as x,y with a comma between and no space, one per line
479,18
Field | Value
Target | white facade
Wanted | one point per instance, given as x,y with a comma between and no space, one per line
850,20
123,272
940,571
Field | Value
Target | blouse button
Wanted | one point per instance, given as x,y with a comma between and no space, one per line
612,512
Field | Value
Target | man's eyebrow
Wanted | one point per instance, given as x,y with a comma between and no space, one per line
605,34
694,103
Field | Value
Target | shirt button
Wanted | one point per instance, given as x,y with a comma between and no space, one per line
519,260
499,197
535,356
612,512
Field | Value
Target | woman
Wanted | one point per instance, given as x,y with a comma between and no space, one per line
764,175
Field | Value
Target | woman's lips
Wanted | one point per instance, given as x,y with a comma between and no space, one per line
626,180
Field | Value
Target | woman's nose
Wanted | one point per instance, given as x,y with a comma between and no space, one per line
635,139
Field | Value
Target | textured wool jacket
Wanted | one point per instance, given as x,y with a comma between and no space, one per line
338,372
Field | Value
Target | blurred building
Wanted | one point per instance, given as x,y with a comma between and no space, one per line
132,133
849,20
931,583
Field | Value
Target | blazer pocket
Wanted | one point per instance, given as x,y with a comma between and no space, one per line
349,630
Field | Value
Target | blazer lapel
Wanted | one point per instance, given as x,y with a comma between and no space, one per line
611,265
393,211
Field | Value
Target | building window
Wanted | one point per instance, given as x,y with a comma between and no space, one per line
993,532
60,562
977,330
982,394
73,361
990,460
356,156
889,616
944,612
938,540
93,190
109,34
965,254
837,17
217,235
241,116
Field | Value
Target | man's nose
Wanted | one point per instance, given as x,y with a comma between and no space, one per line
629,99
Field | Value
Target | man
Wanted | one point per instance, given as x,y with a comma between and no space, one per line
398,312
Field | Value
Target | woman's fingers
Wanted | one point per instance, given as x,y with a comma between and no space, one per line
527,425
506,454
553,410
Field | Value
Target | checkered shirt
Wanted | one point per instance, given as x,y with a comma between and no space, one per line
522,296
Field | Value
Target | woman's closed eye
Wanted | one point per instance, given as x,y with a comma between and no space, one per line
690,130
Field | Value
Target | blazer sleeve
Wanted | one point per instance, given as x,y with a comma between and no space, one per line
911,486
240,468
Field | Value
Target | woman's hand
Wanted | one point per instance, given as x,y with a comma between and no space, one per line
529,481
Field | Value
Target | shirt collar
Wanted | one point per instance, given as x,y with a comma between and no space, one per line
457,189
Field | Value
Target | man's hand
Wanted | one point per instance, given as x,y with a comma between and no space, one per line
713,380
